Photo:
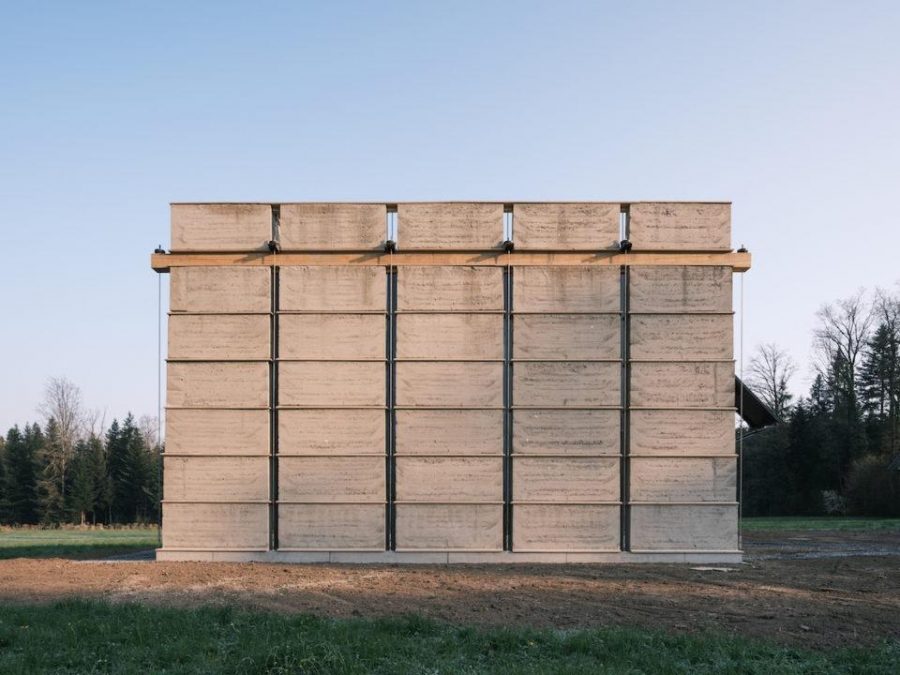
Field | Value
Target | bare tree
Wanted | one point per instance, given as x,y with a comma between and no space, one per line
769,374
62,403
840,340
147,425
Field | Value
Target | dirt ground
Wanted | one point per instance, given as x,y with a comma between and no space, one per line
813,589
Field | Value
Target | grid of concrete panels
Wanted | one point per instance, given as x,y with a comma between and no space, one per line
216,464
566,397
449,408
682,462
332,401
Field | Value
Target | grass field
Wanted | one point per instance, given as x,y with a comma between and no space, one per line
79,636
834,523
30,542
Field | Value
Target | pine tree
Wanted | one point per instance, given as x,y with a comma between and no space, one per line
52,478
21,475
129,471
82,497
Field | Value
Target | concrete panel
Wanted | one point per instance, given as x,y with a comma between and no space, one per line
217,432
687,226
477,527
324,227
331,479
682,385
332,336
230,337
444,432
450,336
672,337
572,383
444,226
331,432
576,226
331,526
221,227
215,479
217,385
566,289
566,432
217,526
682,432
566,336
682,527
565,479
332,289
449,385
324,384
220,289
565,527
712,479
680,289
450,289
449,479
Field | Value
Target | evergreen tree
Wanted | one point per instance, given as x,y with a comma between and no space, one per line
21,475
52,478
88,471
4,505
129,472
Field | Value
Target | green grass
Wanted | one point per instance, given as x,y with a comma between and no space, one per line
85,637
32,542
836,523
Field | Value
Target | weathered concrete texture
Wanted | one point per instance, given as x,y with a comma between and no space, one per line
220,289
331,527
685,226
679,479
680,289
216,479
444,226
449,384
229,337
332,336
679,337
217,432
216,526
682,432
331,479
218,385
566,336
566,384
331,432
447,432
450,336
331,384
566,432
474,527
566,289
449,479
332,289
682,385
221,227
328,227
575,226
450,289
712,527
565,527
565,479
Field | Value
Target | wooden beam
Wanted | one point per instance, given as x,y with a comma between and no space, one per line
738,261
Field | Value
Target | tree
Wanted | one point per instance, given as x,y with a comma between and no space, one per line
52,478
88,480
770,372
129,469
21,474
62,402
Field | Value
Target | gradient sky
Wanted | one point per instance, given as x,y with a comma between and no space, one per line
109,111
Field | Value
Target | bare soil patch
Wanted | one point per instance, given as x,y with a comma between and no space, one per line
805,600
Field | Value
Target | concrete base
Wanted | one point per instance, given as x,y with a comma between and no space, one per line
448,557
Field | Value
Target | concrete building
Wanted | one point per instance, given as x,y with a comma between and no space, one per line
461,382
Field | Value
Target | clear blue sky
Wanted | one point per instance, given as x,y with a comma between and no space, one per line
109,111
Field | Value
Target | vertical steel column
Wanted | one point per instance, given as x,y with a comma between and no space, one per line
390,514
273,389
507,409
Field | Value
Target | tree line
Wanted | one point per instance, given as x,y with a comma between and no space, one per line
838,448
71,469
